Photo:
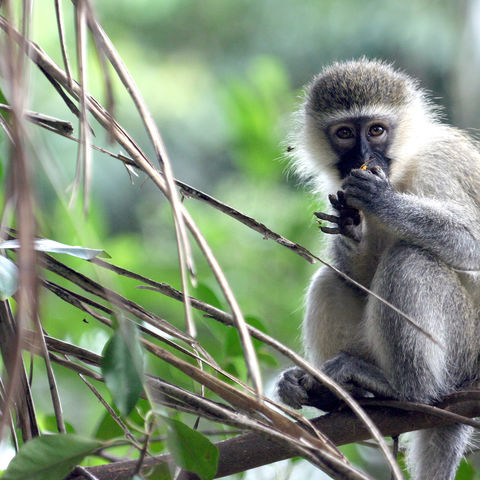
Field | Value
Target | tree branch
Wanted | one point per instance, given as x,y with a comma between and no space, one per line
251,450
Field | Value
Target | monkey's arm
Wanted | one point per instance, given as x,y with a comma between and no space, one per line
445,228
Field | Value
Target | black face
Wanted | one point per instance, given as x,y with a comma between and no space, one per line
361,141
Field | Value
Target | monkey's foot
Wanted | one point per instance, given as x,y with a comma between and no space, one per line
297,388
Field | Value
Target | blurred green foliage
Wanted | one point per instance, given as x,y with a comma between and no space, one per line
221,78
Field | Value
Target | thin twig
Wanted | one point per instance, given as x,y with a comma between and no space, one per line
6,411
61,35
111,411
146,444
62,126
57,405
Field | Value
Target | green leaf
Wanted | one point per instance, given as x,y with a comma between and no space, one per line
108,428
267,359
8,278
207,295
49,423
191,450
122,367
160,472
49,457
46,245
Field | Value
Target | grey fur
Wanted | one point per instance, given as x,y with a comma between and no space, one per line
344,86
419,249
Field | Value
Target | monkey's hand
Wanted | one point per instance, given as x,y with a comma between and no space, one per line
368,190
348,219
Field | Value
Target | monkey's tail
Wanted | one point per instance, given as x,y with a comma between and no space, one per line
435,453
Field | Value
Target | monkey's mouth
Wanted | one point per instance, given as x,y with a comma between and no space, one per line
350,162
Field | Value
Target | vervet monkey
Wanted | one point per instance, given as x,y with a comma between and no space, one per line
405,189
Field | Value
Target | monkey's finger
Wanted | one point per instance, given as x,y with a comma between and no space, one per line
334,202
361,174
341,197
327,217
330,230
367,184
379,172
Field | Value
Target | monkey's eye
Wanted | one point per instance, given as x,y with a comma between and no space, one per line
344,133
376,130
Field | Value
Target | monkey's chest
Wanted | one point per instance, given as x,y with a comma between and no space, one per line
375,241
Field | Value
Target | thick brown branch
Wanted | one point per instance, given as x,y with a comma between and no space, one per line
252,450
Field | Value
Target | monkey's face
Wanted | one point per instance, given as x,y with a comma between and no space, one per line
360,141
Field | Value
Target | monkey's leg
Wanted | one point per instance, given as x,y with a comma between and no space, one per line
436,453
331,324
430,292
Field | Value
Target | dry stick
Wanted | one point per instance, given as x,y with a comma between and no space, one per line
144,450
23,403
84,159
114,298
57,405
20,184
420,407
76,367
84,303
107,81
51,123
70,105
6,128
13,433
123,139
111,411
61,34
250,222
